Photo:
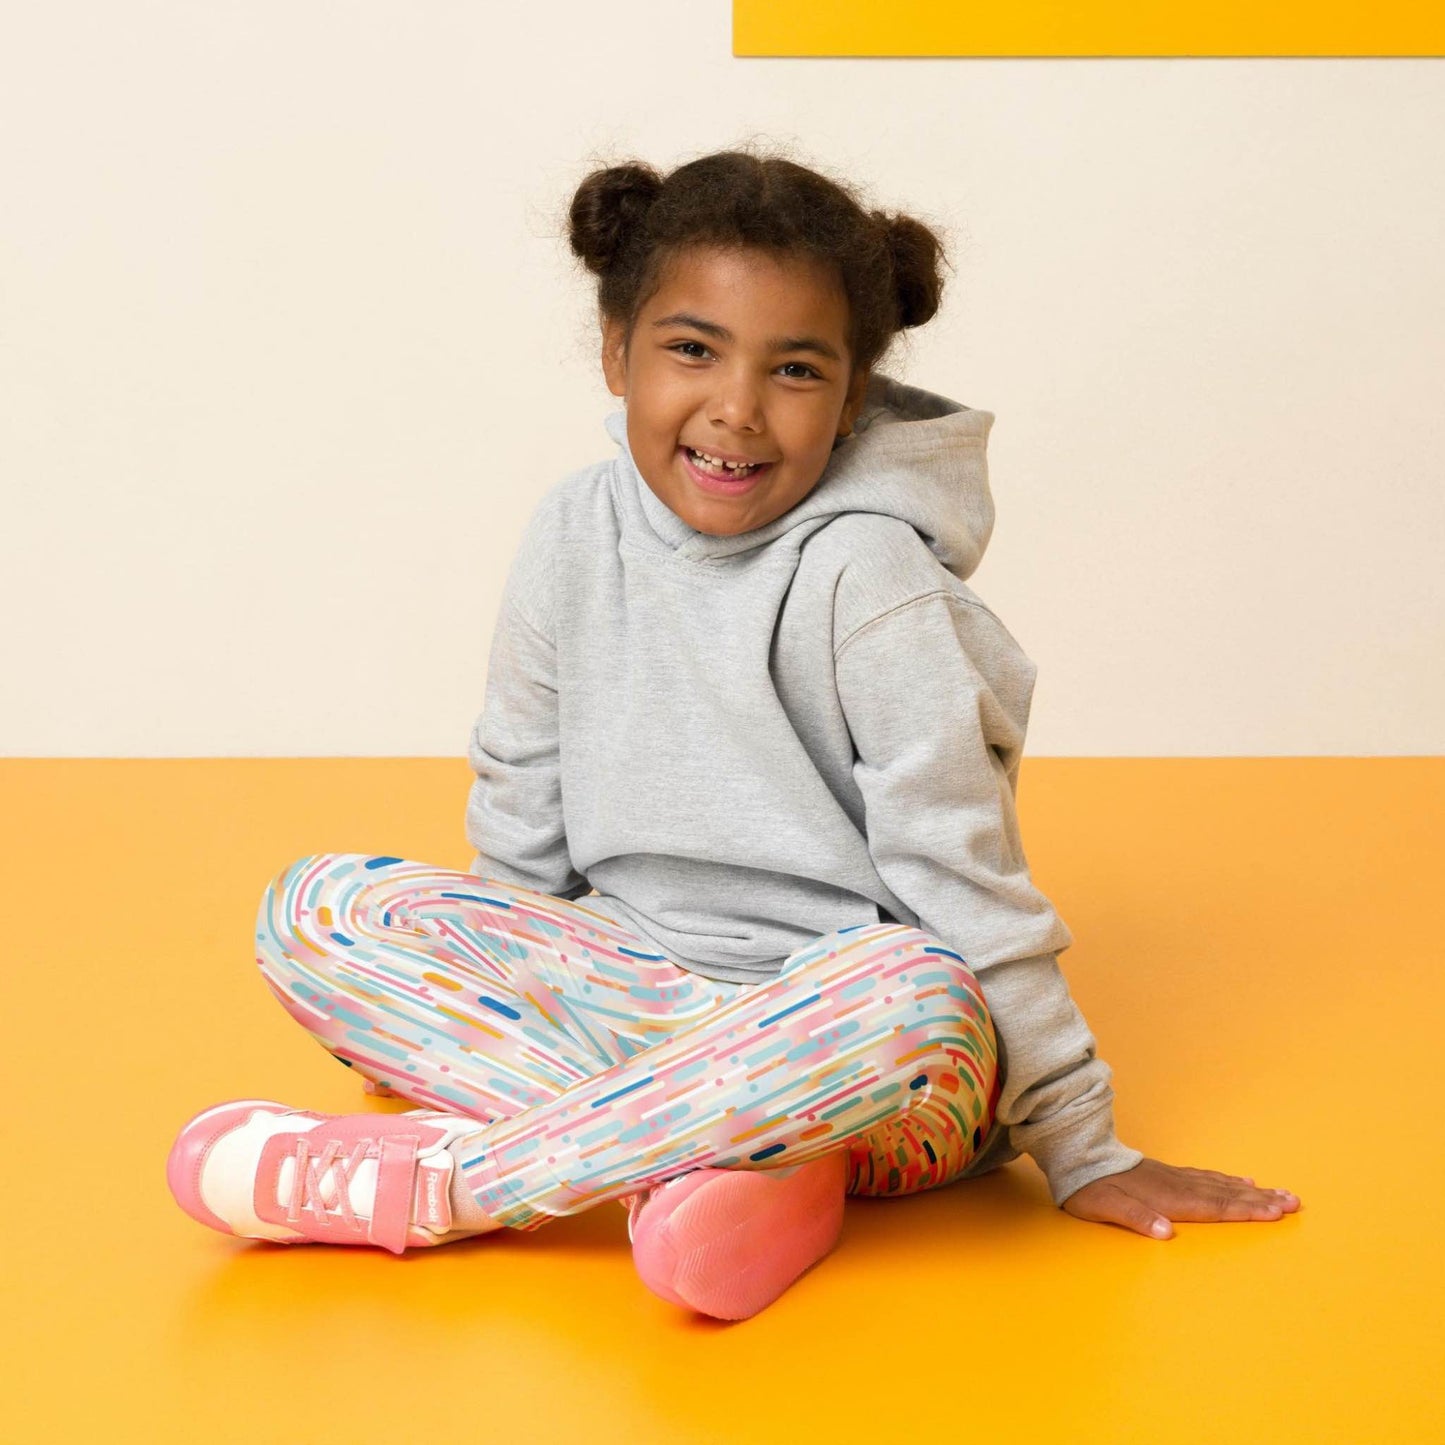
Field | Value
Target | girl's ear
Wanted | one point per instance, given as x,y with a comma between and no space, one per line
852,403
614,357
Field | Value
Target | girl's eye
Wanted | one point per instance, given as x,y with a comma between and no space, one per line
808,373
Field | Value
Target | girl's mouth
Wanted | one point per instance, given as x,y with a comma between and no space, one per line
720,479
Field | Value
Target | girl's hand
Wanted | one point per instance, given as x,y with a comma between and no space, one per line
1146,1197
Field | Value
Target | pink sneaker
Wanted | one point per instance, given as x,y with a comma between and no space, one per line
261,1170
728,1242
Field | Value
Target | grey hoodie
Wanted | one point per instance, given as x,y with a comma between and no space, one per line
742,743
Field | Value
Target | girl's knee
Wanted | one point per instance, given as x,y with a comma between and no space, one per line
911,979
943,1001
312,866
291,912
278,895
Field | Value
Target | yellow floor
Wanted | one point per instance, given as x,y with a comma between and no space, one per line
1258,952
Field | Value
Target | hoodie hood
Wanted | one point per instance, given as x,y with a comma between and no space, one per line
913,455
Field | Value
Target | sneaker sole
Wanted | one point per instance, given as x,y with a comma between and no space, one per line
736,1240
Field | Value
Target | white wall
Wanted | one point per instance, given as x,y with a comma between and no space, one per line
290,344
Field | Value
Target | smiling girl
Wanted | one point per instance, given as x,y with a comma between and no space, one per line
750,926
727,457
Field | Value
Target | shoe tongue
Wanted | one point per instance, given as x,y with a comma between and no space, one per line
360,1190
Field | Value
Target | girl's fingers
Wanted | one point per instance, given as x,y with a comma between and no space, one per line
1282,1197
1242,1205
1255,1209
1287,1196
1144,1220
1244,1185
1220,1197
1123,1209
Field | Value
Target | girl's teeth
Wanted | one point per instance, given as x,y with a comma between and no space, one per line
714,464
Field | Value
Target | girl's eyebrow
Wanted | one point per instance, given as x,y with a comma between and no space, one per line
777,343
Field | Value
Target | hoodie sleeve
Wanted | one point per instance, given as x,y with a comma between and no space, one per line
936,694
514,810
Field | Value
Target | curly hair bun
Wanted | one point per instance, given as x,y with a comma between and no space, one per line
607,211
915,252
626,222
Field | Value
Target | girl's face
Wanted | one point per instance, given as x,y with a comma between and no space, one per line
742,355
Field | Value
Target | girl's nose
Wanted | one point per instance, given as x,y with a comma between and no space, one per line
737,405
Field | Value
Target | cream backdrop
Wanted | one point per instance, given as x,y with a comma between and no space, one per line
291,343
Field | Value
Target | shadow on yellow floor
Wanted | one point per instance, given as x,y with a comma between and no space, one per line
1258,951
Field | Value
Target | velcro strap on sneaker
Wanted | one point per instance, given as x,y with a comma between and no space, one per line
395,1180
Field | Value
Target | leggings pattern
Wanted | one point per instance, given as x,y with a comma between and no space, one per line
596,1066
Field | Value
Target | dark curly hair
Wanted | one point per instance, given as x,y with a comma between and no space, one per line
626,221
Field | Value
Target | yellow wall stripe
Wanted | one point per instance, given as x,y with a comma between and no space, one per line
1111,28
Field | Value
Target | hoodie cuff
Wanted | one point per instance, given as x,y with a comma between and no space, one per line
1077,1154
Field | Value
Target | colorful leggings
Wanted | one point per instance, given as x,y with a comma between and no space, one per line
597,1067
